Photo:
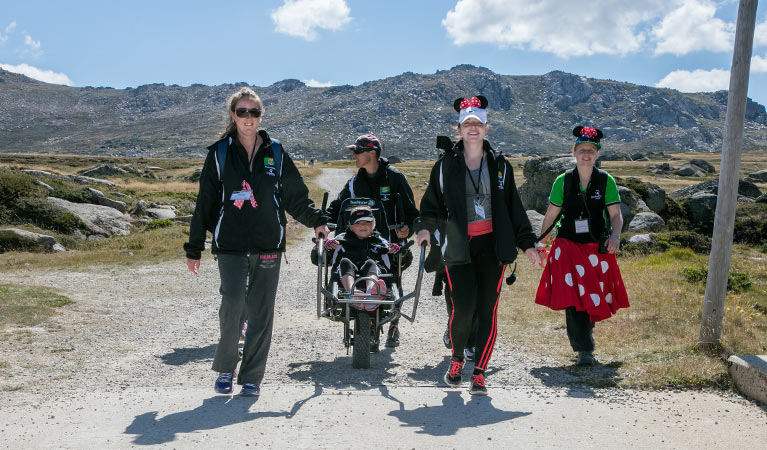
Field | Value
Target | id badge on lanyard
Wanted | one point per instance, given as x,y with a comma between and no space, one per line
581,226
479,210
241,195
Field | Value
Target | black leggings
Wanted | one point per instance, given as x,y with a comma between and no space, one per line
476,287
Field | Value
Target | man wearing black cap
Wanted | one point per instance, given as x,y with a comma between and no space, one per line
376,178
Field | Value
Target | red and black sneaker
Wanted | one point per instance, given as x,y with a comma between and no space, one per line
478,385
453,375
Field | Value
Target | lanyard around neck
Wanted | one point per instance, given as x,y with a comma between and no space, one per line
478,184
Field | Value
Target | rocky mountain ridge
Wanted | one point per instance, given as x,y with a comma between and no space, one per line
528,114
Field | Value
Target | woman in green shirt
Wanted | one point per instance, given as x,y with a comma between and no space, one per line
582,275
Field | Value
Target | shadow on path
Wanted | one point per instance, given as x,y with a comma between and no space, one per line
181,356
339,373
580,381
215,412
452,415
434,374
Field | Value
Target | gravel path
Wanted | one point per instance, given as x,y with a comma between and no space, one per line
156,325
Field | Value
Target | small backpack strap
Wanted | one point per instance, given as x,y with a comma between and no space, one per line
277,154
223,145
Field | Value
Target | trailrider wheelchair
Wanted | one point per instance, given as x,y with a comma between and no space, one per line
363,314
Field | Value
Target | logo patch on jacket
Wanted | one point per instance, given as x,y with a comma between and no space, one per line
597,195
269,166
384,192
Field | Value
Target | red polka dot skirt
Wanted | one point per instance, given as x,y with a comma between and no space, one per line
577,275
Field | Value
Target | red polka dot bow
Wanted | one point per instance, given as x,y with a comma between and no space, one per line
239,203
473,102
589,131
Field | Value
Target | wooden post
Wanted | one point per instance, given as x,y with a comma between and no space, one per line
729,177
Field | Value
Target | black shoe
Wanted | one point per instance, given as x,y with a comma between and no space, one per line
468,352
373,347
392,340
453,374
446,338
585,359
478,385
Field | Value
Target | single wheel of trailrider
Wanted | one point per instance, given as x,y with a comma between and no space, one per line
362,339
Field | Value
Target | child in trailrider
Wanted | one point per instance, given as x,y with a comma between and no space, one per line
359,252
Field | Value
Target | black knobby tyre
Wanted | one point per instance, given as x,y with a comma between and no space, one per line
362,339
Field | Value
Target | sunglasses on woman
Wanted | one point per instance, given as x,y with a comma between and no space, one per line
245,112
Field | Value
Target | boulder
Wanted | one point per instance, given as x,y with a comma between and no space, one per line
104,201
103,170
745,188
690,170
631,200
641,239
394,159
646,221
701,209
116,204
703,165
46,186
758,177
656,198
37,173
639,157
161,213
536,220
140,209
80,179
540,174
184,219
626,214
762,199
195,176
43,241
101,220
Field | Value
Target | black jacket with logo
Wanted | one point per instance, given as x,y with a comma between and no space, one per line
443,208
385,185
247,229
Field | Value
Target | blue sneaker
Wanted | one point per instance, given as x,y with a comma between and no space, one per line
224,383
250,390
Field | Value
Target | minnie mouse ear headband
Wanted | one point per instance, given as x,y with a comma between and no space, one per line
476,108
588,134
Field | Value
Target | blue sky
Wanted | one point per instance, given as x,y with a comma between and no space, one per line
681,44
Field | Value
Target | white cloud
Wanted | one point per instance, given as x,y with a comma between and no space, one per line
47,76
8,29
692,27
697,80
31,43
302,18
760,34
318,84
616,27
759,64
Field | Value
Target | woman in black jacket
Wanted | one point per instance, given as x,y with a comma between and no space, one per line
247,184
483,222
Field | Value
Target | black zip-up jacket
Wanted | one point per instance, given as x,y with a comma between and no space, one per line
359,250
385,185
248,229
446,213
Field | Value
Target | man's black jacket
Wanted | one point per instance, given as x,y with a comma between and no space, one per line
385,185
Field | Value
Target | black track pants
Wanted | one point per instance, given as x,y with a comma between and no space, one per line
248,289
476,287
